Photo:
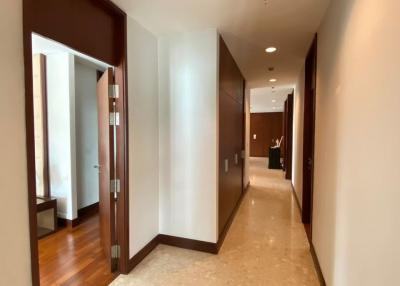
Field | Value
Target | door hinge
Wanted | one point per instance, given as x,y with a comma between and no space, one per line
115,186
115,251
113,91
114,118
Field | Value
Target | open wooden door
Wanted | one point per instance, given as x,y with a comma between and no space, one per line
107,201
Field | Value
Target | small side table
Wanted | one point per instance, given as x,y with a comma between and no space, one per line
46,211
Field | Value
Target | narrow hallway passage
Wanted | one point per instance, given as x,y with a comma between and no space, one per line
266,245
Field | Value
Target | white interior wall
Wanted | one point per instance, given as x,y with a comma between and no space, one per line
188,83
61,132
298,128
143,136
356,228
14,238
86,131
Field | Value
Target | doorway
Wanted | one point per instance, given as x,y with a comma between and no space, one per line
74,162
65,25
308,136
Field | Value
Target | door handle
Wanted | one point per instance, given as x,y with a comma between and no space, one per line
226,165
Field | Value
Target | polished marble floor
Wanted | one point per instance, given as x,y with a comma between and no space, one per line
266,245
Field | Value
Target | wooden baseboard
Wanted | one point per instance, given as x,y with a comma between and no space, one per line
88,211
317,265
187,243
180,242
63,222
83,214
138,257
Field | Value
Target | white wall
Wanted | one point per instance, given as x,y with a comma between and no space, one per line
356,225
86,131
298,125
14,238
143,136
188,69
61,132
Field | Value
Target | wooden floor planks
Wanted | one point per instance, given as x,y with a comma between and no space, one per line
74,257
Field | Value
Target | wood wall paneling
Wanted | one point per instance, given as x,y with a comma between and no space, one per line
267,127
231,134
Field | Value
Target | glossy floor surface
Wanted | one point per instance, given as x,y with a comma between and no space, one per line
266,245
74,257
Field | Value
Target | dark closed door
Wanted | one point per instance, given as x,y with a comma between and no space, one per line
289,136
106,170
231,136
308,136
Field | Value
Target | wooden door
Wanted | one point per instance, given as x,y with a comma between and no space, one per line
106,165
308,137
289,137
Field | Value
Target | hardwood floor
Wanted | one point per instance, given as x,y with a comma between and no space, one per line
74,257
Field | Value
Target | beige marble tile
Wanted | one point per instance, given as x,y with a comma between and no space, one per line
266,245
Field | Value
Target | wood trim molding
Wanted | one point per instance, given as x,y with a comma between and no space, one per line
63,222
187,243
138,257
88,211
180,242
317,265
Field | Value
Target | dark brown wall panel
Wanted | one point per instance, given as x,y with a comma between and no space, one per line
267,127
231,132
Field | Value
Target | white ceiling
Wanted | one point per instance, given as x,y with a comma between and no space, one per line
247,26
267,99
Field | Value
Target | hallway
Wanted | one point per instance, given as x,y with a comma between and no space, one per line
266,245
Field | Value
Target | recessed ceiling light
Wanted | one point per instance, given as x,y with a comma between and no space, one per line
274,107
274,100
273,80
271,50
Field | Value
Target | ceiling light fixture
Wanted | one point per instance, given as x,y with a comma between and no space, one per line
273,80
273,100
271,50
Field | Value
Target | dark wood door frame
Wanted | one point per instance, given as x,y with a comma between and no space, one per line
309,136
98,29
289,136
